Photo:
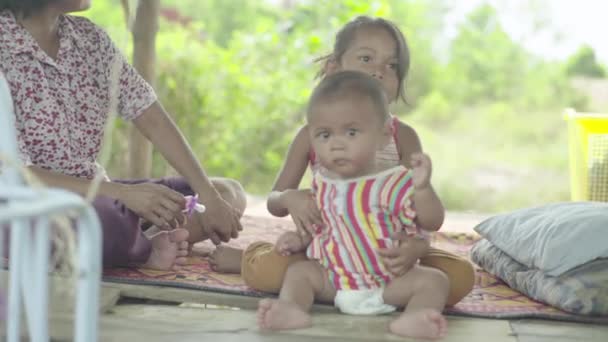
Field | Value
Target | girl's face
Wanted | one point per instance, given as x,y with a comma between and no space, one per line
373,51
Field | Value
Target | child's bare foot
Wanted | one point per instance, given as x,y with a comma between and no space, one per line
169,248
226,259
276,314
427,324
289,243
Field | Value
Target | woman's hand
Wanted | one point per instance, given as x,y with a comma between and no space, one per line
303,210
220,221
154,203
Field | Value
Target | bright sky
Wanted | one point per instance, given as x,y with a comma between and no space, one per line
570,23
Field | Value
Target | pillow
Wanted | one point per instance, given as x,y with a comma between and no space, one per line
554,238
583,290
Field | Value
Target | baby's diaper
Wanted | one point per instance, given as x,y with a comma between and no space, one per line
362,302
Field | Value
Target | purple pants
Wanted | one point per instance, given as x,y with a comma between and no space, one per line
123,240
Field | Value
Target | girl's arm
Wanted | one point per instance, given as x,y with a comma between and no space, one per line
430,212
292,171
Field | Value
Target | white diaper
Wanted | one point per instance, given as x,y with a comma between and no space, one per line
362,302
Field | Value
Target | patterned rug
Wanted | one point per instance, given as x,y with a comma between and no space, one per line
490,298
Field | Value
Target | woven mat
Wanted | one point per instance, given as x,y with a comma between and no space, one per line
490,297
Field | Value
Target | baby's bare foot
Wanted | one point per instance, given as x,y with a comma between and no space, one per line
427,324
276,314
169,248
226,259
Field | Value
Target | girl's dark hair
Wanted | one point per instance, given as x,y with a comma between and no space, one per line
24,8
346,35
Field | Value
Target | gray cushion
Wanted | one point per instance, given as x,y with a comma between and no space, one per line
554,238
582,290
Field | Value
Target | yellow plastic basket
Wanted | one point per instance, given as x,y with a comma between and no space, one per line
588,145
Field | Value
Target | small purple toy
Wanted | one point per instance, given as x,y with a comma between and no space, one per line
192,205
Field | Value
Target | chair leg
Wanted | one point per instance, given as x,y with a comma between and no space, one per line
39,309
13,315
29,268
89,277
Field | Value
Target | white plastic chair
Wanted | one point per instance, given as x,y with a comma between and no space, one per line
27,214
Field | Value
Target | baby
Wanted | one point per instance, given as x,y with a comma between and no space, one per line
362,207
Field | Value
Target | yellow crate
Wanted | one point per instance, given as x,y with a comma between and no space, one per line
588,145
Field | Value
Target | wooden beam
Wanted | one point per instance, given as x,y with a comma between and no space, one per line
144,57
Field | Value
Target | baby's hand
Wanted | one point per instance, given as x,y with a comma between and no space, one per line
421,170
289,243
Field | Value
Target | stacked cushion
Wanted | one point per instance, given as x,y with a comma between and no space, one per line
555,253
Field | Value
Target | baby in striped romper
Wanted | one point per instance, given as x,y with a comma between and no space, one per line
362,206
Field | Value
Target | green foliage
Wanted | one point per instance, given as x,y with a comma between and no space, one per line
584,63
237,77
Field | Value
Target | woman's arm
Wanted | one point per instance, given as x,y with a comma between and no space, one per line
153,202
430,212
156,125
76,184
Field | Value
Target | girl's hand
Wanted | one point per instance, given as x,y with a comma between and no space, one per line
303,210
404,255
289,243
155,203
421,170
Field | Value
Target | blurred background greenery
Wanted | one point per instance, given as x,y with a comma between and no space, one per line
236,74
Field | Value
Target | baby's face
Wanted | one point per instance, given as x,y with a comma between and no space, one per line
346,134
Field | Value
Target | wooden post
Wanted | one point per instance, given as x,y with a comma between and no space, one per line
144,56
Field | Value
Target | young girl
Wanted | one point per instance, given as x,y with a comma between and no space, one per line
362,202
377,47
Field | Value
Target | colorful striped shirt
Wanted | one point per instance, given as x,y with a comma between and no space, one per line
360,215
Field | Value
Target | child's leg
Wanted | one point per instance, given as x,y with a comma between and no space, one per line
424,292
263,269
226,259
125,244
263,266
459,270
304,281
231,191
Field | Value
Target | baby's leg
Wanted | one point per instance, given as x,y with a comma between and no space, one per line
459,270
424,292
304,281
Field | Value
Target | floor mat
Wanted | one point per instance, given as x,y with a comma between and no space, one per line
490,298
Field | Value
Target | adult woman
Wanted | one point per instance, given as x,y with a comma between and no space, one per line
59,70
